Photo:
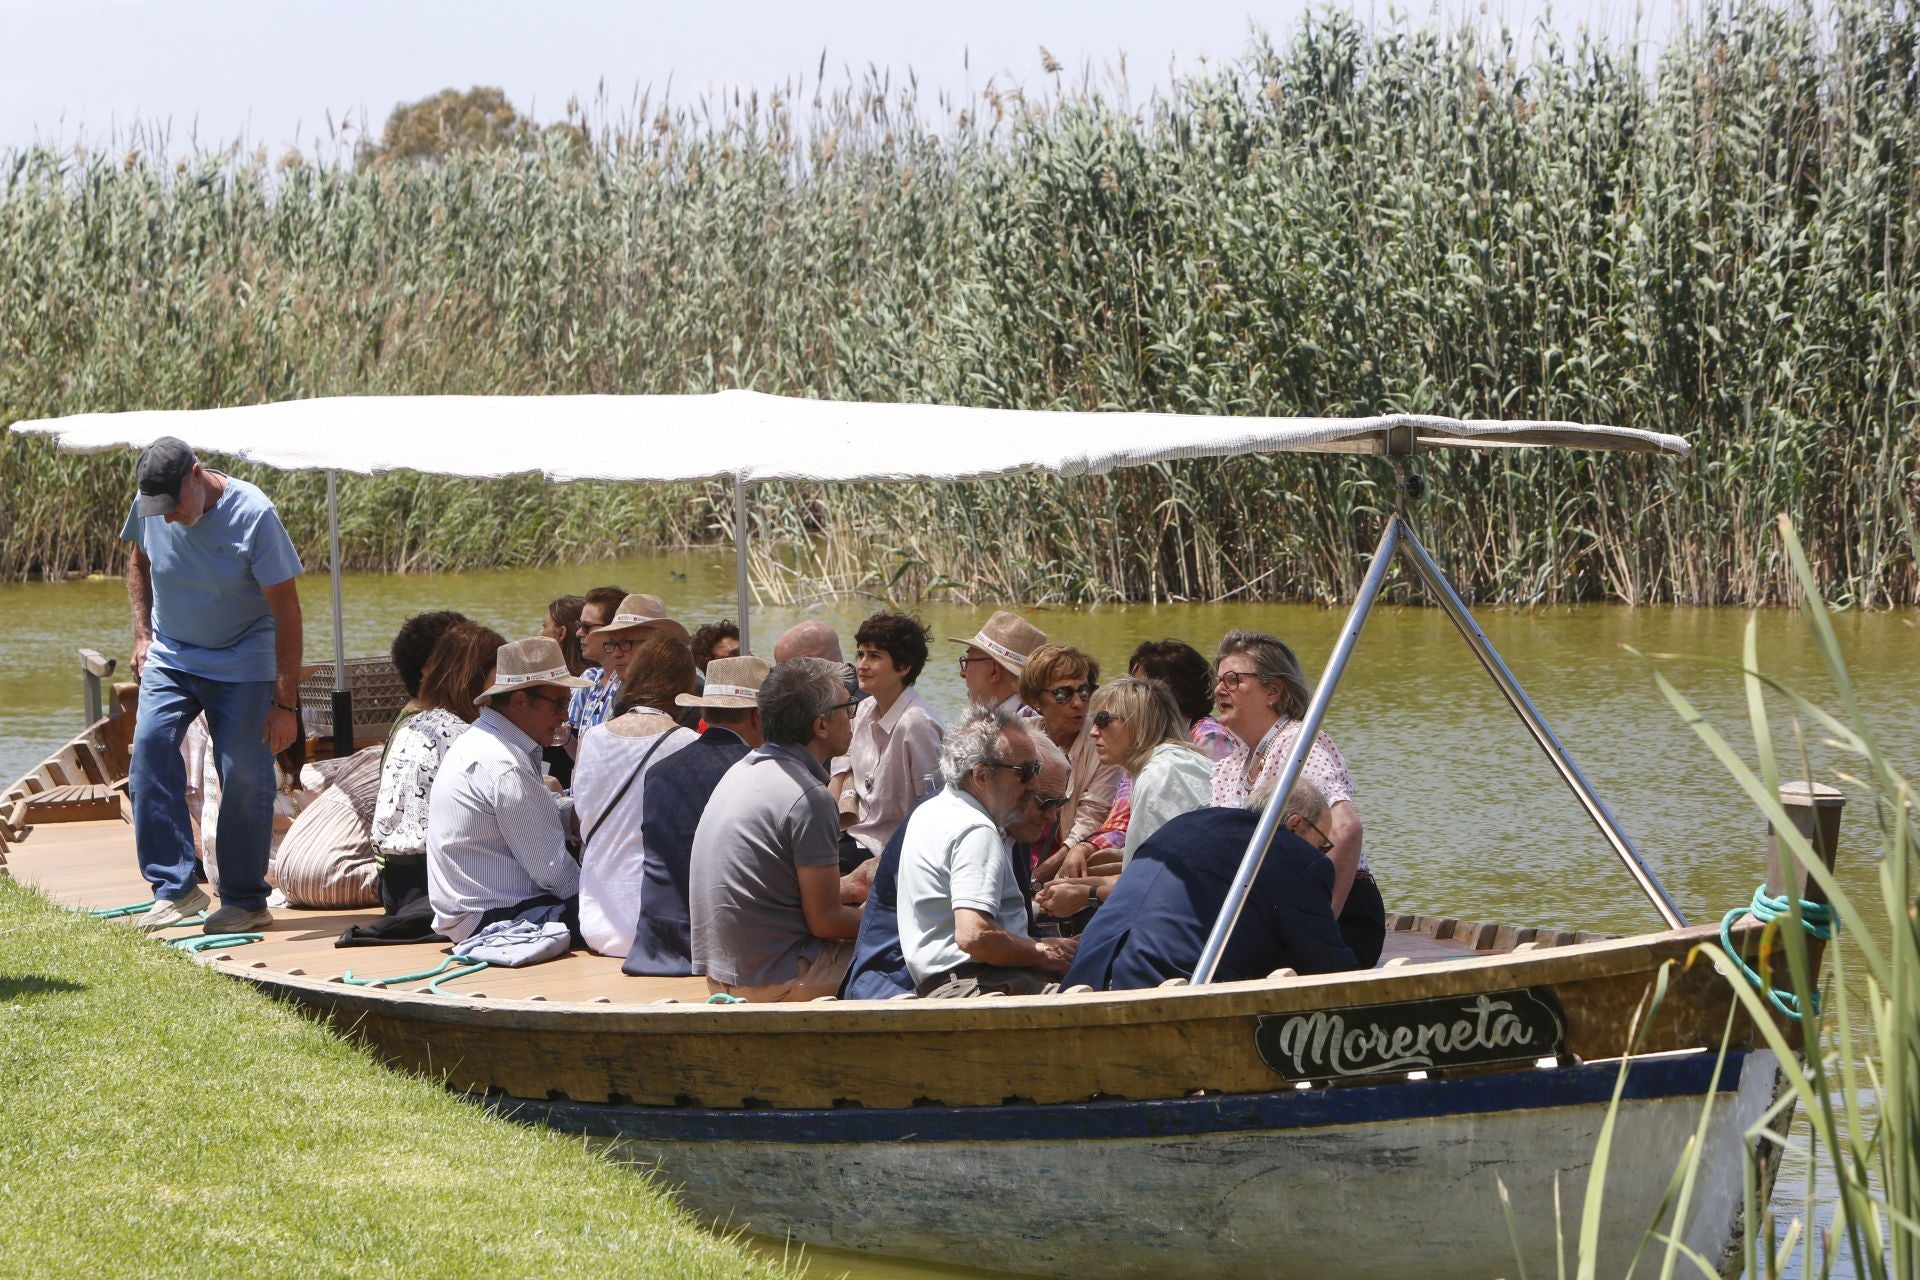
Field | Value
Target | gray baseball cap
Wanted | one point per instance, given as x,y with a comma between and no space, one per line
164,464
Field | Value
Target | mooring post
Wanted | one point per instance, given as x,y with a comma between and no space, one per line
93,670
1815,811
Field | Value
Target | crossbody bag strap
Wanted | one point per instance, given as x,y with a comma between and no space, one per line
633,777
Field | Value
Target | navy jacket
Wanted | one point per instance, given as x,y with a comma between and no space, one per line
1165,904
677,792
879,968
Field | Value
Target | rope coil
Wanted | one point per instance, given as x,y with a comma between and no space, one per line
1816,921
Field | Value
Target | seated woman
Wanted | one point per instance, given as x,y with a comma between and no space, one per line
715,640
609,782
1057,684
895,755
1135,724
458,668
562,626
1262,694
1189,677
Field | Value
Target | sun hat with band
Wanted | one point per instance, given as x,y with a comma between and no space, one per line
643,613
522,664
733,684
1008,639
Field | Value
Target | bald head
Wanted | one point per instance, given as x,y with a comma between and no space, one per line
811,639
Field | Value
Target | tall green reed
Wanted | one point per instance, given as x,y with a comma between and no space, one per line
1342,220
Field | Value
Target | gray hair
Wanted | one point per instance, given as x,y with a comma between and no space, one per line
1306,799
973,743
1050,753
795,694
1273,663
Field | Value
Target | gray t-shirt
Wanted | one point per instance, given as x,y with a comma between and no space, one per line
770,816
952,856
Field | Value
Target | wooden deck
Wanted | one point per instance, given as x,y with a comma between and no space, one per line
90,864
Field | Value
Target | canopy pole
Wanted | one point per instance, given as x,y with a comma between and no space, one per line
342,695
740,560
1436,582
1297,757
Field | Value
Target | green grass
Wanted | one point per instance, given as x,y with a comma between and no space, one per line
159,1119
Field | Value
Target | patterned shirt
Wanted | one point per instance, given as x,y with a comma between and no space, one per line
406,780
594,704
1247,769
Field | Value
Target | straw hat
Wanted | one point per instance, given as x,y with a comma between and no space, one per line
522,664
1008,639
733,684
643,612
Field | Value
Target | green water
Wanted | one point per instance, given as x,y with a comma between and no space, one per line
1463,814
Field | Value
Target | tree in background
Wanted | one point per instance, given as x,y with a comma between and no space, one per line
454,123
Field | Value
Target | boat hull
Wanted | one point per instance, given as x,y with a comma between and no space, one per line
1361,1180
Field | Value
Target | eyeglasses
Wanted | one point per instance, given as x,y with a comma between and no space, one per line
971,658
1231,680
1065,693
1026,770
1047,804
1102,719
1325,843
840,706
588,627
551,699
620,643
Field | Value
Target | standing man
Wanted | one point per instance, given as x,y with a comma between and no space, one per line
995,659
216,629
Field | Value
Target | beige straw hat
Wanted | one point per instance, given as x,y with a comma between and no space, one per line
522,664
733,684
1008,639
644,612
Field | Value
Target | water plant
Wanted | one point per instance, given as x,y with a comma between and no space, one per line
1715,239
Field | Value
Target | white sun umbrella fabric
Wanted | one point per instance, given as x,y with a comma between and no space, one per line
746,436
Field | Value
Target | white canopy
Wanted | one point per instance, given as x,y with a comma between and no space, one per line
746,436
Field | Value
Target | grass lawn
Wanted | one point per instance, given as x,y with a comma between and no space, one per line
159,1119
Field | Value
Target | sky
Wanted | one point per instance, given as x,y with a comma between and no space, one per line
281,75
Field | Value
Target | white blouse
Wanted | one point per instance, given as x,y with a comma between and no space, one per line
892,757
406,781
613,863
1175,780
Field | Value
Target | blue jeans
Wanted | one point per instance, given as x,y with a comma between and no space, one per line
157,779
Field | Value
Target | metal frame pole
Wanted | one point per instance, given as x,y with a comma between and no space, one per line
1476,639
1263,834
342,695
740,560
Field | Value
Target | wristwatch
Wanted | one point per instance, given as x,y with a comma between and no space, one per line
1093,895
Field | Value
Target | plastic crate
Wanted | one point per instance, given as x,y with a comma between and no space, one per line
378,696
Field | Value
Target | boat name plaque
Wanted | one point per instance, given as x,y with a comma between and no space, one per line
1412,1035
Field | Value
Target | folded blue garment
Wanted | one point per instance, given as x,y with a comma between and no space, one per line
515,944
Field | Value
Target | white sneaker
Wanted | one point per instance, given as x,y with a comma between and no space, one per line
232,919
166,913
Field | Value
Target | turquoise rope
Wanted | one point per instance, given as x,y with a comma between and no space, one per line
473,966
721,997
460,966
1816,919
210,941
117,913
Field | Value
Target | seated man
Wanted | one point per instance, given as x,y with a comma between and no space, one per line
496,839
769,914
996,657
879,969
962,915
1162,909
678,789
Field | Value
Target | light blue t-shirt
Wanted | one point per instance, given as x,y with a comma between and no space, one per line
210,618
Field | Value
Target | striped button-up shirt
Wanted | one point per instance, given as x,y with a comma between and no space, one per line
495,835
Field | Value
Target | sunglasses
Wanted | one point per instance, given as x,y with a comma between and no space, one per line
1102,720
1065,693
551,699
1048,804
1026,770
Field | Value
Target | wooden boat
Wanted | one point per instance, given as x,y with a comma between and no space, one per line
1349,1124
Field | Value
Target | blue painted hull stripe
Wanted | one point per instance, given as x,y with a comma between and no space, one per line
1163,1118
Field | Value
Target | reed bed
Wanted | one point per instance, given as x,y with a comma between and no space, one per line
1717,240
